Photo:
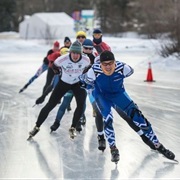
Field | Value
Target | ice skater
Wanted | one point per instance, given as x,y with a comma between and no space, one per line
67,42
81,36
98,43
88,50
113,94
71,67
42,68
54,81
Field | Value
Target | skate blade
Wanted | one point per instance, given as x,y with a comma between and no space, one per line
172,160
79,132
29,138
116,162
175,160
72,137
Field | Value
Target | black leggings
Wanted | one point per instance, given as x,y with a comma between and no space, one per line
58,92
49,77
98,119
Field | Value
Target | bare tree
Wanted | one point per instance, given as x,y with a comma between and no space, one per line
112,15
161,17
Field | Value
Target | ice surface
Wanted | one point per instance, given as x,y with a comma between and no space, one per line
55,156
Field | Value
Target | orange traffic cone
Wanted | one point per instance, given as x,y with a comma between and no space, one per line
149,74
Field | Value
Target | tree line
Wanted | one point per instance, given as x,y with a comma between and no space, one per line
151,17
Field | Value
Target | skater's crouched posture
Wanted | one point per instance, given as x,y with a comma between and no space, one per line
71,66
106,78
42,68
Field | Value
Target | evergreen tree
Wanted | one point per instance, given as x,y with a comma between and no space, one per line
7,14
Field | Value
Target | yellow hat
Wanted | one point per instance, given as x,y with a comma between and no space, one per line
80,33
64,50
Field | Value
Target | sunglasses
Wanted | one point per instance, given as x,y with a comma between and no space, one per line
88,48
78,37
108,64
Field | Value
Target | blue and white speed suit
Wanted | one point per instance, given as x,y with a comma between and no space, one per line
109,92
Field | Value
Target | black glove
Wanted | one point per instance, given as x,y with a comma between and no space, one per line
87,68
45,61
82,85
40,100
55,69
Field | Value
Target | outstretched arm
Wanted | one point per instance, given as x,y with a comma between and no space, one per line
127,70
87,79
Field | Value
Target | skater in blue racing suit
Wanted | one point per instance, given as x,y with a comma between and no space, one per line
106,78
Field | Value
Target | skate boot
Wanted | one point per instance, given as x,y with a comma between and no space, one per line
167,153
21,90
83,120
55,126
114,154
33,132
72,132
102,143
40,100
78,127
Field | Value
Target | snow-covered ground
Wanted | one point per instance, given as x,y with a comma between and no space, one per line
55,156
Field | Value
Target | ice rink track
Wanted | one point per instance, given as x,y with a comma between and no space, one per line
55,156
